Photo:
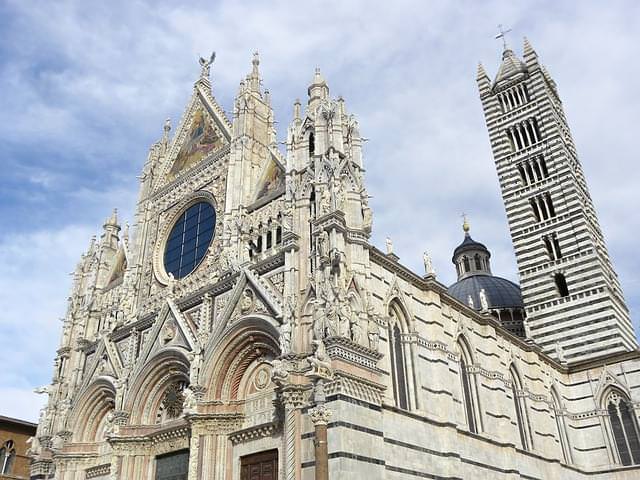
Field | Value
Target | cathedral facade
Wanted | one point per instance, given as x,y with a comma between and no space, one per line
246,329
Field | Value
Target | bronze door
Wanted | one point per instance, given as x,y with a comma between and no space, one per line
259,466
173,466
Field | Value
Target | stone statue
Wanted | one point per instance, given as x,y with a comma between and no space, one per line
171,284
484,303
323,245
356,330
318,319
325,202
428,264
246,302
373,332
331,326
189,403
470,301
279,374
320,361
389,244
367,216
560,353
195,362
285,337
109,424
344,319
206,65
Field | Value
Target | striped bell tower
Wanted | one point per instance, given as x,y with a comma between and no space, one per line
574,304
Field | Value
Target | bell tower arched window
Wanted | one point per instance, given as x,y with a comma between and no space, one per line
624,427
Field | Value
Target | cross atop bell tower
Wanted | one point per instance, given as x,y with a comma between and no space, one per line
503,35
570,290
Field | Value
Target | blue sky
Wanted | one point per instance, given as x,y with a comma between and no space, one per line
85,88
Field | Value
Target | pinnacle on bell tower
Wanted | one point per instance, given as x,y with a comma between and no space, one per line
571,292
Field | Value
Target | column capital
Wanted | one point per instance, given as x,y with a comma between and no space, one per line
320,415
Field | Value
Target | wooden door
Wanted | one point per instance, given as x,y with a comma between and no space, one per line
259,466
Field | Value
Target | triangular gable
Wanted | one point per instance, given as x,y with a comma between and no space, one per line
249,296
106,361
608,379
170,330
271,180
204,130
118,268
396,292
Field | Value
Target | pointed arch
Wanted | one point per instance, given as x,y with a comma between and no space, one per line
249,340
560,424
398,355
470,396
520,406
87,418
166,369
7,457
623,426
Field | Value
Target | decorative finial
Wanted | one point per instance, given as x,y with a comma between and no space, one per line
502,35
206,65
256,59
296,109
465,224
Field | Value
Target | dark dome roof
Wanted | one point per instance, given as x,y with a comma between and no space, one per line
469,244
501,293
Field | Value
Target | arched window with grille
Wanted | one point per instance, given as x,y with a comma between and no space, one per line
7,457
520,407
469,388
397,325
624,427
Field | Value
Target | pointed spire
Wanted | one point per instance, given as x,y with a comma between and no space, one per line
254,78
484,84
318,90
530,55
481,72
112,221
511,66
296,109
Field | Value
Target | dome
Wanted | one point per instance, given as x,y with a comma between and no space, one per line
469,244
501,293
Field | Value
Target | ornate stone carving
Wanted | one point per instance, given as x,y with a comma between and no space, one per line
320,362
320,415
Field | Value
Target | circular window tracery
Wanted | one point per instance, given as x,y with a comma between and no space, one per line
189,239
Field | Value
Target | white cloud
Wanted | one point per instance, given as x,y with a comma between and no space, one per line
94,85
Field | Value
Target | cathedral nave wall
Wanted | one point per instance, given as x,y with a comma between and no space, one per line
439,324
